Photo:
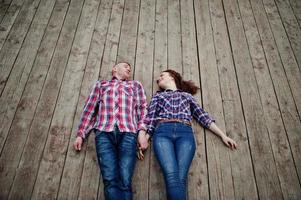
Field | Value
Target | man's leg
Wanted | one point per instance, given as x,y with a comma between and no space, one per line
127,161
107,156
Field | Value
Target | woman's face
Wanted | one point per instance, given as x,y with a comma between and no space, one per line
164,79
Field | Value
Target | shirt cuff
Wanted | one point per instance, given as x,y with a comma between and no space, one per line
208,123
80,134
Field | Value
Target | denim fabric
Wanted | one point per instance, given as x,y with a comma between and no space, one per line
174,148
116,154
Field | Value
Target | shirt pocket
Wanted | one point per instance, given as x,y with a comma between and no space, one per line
104,90
128,90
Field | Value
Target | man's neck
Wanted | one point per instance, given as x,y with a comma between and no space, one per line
117,78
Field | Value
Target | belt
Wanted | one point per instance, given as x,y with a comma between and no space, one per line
175,120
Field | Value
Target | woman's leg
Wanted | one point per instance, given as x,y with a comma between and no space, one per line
166,156
184,150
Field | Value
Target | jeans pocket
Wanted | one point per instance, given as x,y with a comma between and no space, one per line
97,133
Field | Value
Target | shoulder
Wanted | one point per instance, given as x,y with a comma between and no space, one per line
187,95
135,83
102,82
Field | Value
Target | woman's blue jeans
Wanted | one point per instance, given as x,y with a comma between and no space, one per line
174,148
116,154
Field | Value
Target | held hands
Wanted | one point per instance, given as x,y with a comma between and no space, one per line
229,142
78,143
142,144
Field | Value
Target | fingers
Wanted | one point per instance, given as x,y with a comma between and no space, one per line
232,144
143,143
140,154
144,146
77,144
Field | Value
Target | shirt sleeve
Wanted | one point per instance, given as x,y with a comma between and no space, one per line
151,117
141,107
87,118
199,114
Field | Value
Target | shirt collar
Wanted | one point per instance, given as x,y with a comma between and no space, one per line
114,78
169,90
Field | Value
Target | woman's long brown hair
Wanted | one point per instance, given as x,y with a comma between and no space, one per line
186,86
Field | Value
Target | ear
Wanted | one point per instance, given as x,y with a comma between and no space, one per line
114,69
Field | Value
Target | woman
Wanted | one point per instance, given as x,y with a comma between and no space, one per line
169,122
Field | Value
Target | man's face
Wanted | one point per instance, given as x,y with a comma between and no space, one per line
122,71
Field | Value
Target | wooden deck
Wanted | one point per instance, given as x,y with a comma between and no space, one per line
244,54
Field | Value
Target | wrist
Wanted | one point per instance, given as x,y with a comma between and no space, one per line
141,132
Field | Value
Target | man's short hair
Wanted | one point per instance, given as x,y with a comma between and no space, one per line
119,63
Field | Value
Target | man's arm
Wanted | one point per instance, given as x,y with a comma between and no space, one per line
87,116
141,106
141,112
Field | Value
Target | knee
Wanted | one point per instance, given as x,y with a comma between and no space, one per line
172,179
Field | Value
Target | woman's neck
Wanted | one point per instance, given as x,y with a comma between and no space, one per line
172,86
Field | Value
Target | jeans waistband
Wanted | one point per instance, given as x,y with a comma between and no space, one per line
175,120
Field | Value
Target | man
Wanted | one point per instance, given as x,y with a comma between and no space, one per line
115,109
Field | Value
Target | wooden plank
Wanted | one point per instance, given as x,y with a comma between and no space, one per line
80,176
280,80
156,180
143,69
21,69
14,41
90,183
21,65
110,53
291,26
28,166
174,46
129,39
286,54
281,149
9,19
262,154
50,171
128,34
219,164
4,5
90,180
241,163
198,174
17,126
296,6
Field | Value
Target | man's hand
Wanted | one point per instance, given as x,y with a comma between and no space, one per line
142,140
78,143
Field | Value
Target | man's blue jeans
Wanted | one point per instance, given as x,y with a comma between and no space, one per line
116,154
174,147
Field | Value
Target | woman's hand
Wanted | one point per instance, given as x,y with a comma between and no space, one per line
142,140
229,142
78,143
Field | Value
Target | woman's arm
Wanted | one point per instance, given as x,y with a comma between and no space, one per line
227,141
207,122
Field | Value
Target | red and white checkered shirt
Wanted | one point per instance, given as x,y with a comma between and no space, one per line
114,102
